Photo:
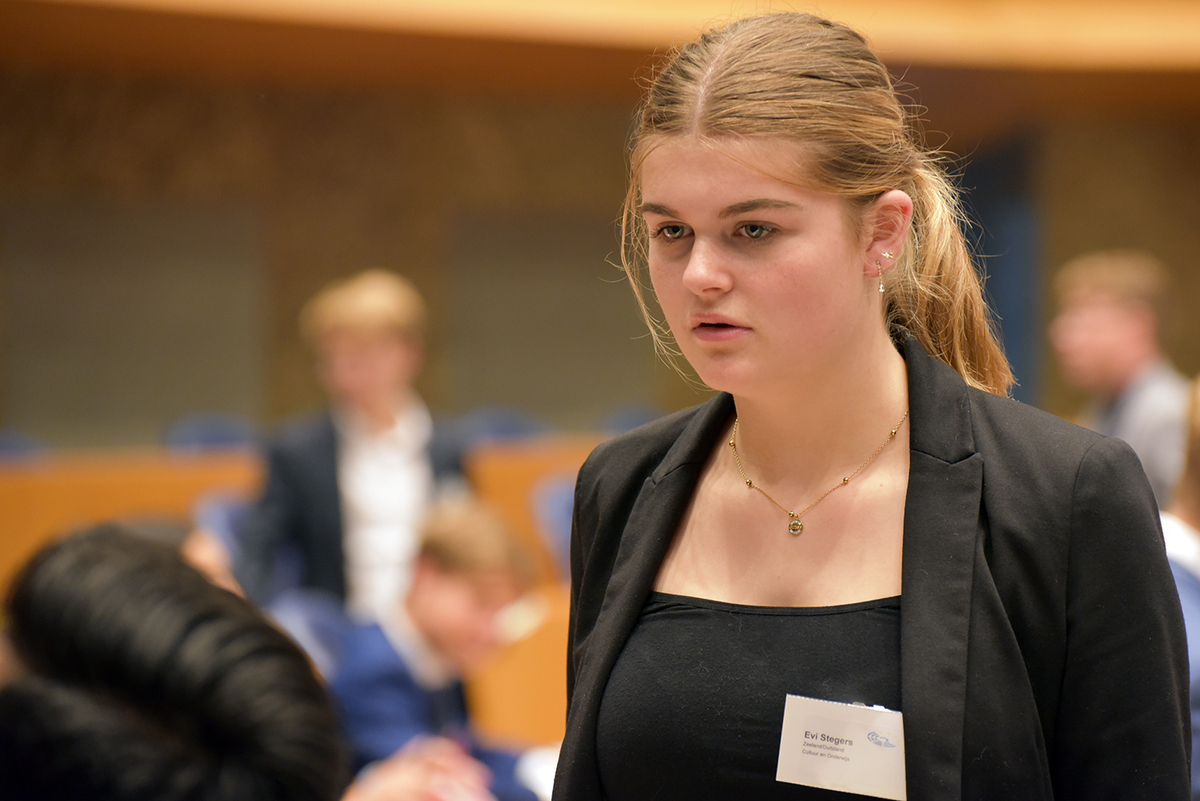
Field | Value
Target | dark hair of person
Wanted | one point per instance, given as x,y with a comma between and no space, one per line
138,679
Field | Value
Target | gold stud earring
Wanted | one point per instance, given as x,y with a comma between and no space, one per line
887,254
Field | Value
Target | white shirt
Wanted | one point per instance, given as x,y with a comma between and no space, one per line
386,485
1183,543
1151,415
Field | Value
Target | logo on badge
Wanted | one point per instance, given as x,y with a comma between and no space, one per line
879,740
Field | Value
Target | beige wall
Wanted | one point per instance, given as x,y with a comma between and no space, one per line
1108,182
500,206
501,210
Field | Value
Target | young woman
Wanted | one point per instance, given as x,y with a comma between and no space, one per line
860,517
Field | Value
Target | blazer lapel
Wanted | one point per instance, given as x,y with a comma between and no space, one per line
941,528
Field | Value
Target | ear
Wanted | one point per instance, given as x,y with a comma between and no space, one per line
886,224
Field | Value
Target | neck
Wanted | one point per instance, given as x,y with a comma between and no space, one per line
809,432
381,412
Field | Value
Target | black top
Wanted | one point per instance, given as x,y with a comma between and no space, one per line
693,708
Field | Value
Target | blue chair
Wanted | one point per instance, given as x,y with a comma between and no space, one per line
202,432
498,423
628,417
316,621
458,436
18,445
553,499
221,514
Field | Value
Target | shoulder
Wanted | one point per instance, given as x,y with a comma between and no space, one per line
367,642
1007,427
1063,507
1041,445
1154,410
1042,476
304,434
952,421
1052,467
642,449
619,467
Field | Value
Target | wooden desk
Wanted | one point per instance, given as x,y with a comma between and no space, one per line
43,496
506,473
518,697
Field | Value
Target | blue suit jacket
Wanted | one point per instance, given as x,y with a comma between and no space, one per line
383,708
1188,585
299,512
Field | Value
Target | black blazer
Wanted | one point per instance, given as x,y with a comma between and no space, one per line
1042,645
299,512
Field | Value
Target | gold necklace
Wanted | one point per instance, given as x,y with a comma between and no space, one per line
795,524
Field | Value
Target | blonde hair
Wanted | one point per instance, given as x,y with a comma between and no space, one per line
371,301
802,78
464,537
1129,276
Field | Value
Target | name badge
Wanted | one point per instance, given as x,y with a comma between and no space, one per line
847,747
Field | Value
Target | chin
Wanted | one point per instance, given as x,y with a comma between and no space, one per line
731,378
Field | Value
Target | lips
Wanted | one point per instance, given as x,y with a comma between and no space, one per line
715,328
712,321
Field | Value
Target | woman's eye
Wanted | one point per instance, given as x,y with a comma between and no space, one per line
670,231
755,230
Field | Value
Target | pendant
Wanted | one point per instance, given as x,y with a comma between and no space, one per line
795,527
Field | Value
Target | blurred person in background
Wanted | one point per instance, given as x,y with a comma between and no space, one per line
347,488
131,676
1107,336
400,687
1181,530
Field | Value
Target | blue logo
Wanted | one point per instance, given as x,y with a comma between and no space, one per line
879,740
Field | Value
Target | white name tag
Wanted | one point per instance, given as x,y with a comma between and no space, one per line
846,747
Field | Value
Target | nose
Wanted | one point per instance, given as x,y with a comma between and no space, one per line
706,271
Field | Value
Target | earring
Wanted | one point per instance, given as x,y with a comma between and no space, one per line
887,254
880,266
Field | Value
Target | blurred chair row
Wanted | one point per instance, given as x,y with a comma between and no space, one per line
218,431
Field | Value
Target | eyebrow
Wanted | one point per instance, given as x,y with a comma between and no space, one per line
729,211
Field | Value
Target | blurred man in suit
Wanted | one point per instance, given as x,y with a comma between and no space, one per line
347,488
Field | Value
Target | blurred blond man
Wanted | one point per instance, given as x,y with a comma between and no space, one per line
1107,336
347,488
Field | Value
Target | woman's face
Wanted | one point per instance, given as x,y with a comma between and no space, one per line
762,282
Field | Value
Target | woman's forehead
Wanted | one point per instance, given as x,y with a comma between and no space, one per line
777,159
